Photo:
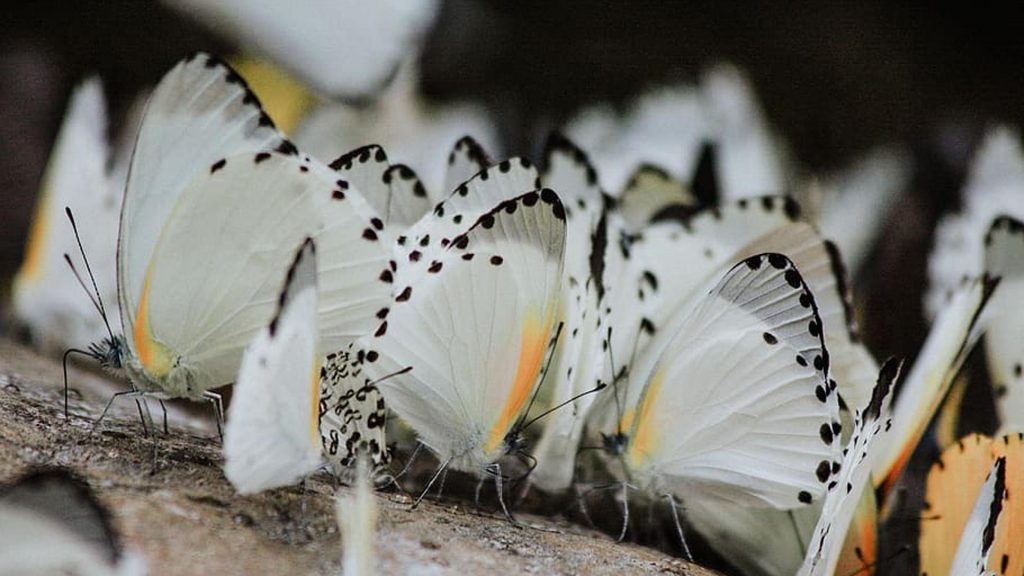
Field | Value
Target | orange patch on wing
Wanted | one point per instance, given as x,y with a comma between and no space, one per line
151,354
642,436
314,405
32,267
531,353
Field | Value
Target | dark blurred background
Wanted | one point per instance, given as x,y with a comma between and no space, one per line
835,78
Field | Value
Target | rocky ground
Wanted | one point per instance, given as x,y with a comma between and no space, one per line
172,504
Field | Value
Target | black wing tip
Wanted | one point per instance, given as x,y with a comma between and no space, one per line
362,154
557,142
887,377
996,507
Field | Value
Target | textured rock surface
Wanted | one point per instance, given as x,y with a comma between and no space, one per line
171,502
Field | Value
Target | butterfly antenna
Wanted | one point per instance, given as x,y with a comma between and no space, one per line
98,302
392,375
536,391
598,388
615,384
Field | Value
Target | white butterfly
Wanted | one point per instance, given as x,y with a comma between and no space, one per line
215,202
844,495
993,188
475,327
976,541
272,438
51,523
744,365
342,47
44,296
394,191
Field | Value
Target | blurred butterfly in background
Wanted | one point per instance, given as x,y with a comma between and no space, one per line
51,522
272,437
86,174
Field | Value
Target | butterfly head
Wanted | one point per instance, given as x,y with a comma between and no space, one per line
615,444
109,352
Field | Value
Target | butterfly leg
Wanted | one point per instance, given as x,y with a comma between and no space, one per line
408,464
115,396
217,402
625,512
499,487
442,469
479,487
164,408
679,526
142,417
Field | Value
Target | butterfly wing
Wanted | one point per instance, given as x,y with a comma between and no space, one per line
467,158
215,274
648,192
972,553
199,113
844,495
746,368
1004,258
475,330
954,480
271,438
352,412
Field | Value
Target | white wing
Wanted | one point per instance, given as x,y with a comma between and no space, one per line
979,533
46,297
1004,258
222,256
271,438
346,48
475,330
394,191
854,476
740,405
467,158
649,191
200,113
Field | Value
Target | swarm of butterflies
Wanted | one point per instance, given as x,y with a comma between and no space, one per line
592,323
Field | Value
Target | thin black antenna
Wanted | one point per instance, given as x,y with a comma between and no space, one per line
536,391
99,299
600,386
392,375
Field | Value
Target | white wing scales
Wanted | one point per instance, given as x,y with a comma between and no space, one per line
271,438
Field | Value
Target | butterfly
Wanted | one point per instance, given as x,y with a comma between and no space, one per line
216,200
84,173
464,344
51,522
342,48
745,364
352,409
272,437
956,488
